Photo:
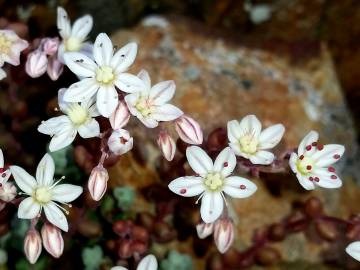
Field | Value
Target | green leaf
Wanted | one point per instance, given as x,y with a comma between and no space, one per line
125,197
92,257
176,261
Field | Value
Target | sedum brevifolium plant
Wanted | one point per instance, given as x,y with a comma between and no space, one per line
107,90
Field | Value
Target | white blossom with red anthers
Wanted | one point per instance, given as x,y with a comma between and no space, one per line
313,163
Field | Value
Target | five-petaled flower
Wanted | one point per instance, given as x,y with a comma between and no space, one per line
103,74
44,193
248,141
79,118
212,182
150,104
312,163
73,38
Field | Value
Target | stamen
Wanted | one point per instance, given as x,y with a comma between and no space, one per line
311,178
308,147
222,195
317,179
62,208
308,167
314,144
337,156
226,164
53,185
301,157
333,177
183,191
197,201
242,187
320,147
331,169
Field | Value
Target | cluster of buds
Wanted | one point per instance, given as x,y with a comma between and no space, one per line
50,238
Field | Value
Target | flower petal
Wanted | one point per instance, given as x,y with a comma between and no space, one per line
129,83
55,216
162,92
144,76
45,171
271,136
305,182
80,64
167,112
63,23
311,137
90,129
353,249
124,57
149,262
62,139
225,162
82,27
233,131
66,193
103,50
63,105
250,125
28,209
118,268
292,162
198,160
212,206
5,176
24,180
54,125
238,187
187,186
327,179
107,100
81,91
2,74
330,154
1,159
262,157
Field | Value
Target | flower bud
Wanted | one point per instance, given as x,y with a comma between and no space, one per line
120,142
120,117
7,192
97,184
167,145
32,245
204,229
189,130
223,234
54,68
148,263
50,45
52,240
36,64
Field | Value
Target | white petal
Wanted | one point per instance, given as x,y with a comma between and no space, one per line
66,193
62,139
311,137
271,136
187,186
5,176
82,90
225,162
148,263
55,216
124,57
45,171
28,209
212,206
167,112
1,159
63,23
238,187
80,64
330,154
90,129
236,148
87,49
129,83
233,131
305,182
148,121
63,105
162,92
250,125
292,162
325,178
118,268
144,76
25,181
353,249
54,125
107,100
103,50
2,74
198,160
262,157
82,27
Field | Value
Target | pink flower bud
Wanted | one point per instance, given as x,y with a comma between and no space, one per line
120,142
204,229
98,182
223,234
166,145
7,192
52,240
120,117
50,45
36,64
32,245
54,68
189,130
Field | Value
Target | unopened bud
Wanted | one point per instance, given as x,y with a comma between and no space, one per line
97,183
120,117
120,142
167,145
54,68
52,240
189,130
223,234
7,192
32,245
204,229
36,64
50,45
148,263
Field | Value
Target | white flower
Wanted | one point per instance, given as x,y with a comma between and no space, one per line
212,182
10,47
78,118
4,173
101,76
120,142
353,249
150,104
73,38
149,262
248,141
44,193
312,163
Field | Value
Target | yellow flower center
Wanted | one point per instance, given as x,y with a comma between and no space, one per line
248,144
42,195
214,181
5,44
73,44
105,75
77,114
144,106
305,165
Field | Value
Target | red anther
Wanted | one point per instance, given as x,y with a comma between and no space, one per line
333,177
2,170
337,156
183,191
317,179
3,175
320,147
308,147
308,167
242,186
331,169
301,157
226,164
311,178
314,144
